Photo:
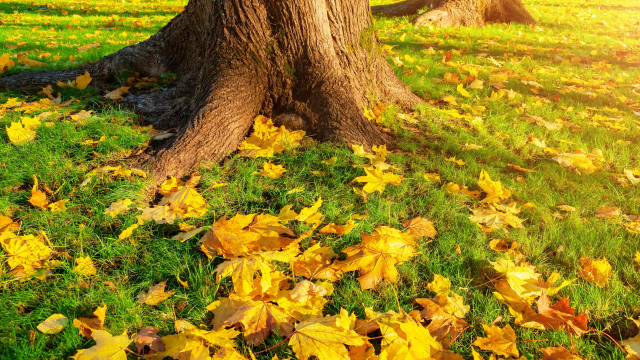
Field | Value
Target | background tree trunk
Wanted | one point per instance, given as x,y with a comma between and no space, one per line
312,63
444,13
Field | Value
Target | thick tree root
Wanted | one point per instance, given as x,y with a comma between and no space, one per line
448,13
403,8
141,58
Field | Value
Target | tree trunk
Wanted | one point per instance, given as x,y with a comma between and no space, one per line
444,13
312,63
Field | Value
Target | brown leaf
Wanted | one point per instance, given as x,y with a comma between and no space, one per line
88,325
147,336
608,212
558,353
420,227
560,316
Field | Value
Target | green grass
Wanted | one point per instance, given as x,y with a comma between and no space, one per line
570,29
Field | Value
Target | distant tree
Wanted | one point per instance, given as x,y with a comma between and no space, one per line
444,13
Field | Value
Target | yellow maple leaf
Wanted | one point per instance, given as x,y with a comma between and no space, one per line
107,347
258,318
7,224
38,198
268,139
315,263
454,160
53,324
440,285
339,230
6,63
376,256
58,206
155,295
580,160
432,177
118,207
83,81
19,134
376,179
463,91
27,255
84,266
595,271
311,215
499,341
420,227
272,171
128,231
185,202
494,190
325,337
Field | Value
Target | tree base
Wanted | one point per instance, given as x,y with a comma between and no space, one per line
309,64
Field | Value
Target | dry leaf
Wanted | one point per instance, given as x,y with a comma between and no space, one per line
420,227
155,295
53,324
499,341
596,271
84,266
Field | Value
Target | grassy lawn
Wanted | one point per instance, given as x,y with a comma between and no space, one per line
572,81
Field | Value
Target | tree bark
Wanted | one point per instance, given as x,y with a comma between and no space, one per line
311,63
445,13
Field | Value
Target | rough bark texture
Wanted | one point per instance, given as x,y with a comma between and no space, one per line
445,13
311,64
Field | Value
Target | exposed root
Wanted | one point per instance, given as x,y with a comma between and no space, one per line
448,17
142,58
403,8
216,127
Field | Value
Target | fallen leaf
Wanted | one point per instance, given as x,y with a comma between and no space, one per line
499,341
271,170
376,179
557,353
83,81
88,325
595,271
147,336
107,347
53,324
118,207
155,295
608,212
58,206
325,337
84,266
420,227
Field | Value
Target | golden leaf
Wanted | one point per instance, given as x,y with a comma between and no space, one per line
420,227
19,134
595,271
557,353
118,207
272,171
58,206
84,266
440,285
107,347
53,324
500,341
83,81
6,63
432,177
155,295
325,338
376,256
454,160
494,190
376,179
